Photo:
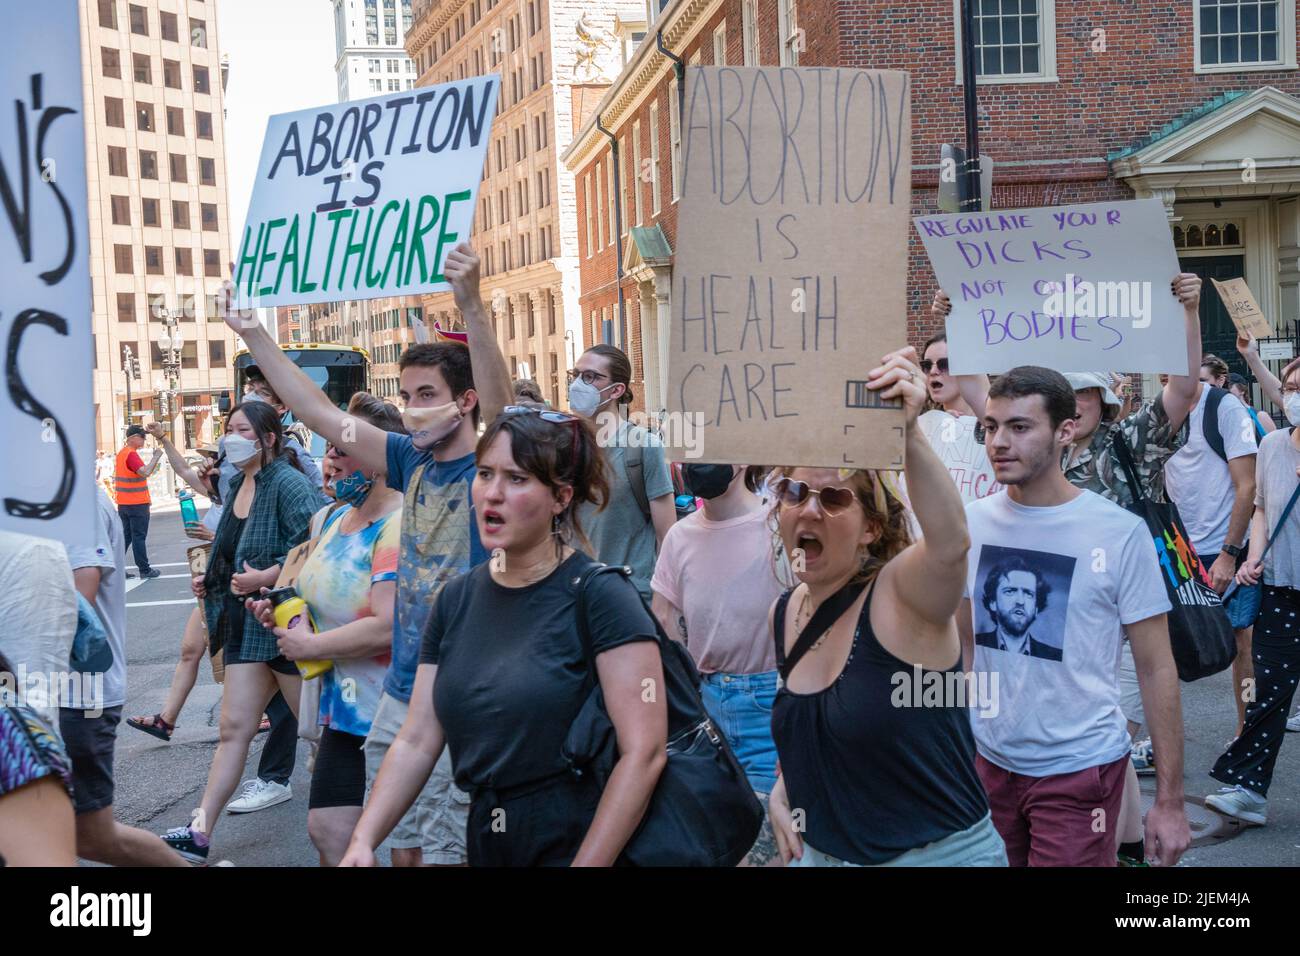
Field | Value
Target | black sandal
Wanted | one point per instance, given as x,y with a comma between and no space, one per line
153,725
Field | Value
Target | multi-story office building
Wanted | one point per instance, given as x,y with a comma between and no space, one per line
369,38
550,55
159,227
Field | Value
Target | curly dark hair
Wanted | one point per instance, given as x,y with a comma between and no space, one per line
1005,567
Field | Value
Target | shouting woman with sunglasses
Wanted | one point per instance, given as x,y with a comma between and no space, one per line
503,670
861,642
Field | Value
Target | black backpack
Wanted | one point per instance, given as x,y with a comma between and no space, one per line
703,811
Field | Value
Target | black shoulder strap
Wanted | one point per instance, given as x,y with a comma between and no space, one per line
778,626
1124,456
1210,423
826,615
580,606
634,465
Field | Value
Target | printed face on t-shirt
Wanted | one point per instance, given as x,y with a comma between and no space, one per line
1017,599
1024,599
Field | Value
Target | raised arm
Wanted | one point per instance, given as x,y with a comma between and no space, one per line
179,465
491,374
1269,383
364,442
930,575
1179,395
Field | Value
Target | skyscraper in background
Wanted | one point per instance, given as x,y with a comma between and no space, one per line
159,226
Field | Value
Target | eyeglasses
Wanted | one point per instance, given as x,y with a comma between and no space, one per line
548,415
792,494
927,364
590,377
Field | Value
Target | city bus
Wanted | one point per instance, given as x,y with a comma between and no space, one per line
339,370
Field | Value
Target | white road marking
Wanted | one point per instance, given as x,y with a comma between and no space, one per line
159,603
171,564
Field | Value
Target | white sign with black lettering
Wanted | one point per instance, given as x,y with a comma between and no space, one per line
47,473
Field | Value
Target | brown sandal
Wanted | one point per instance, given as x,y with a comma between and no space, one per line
153,725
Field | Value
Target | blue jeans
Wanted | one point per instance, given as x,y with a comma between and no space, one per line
740,705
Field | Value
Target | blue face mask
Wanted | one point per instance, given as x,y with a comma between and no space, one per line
352,488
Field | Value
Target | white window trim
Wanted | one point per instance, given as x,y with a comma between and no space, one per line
675,137
786,30
587,196
1286,42
600,207
720,44
1047,49
611,197
625,208
749,31
656,192
638,203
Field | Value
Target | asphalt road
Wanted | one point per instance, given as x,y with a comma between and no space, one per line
158,784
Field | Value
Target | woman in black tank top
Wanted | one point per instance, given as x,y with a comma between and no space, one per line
872,721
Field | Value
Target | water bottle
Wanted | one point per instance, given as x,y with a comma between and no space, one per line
189,512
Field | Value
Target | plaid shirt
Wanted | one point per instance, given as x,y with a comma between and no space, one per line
1152,443
279,520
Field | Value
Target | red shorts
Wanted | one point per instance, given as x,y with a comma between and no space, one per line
1070,819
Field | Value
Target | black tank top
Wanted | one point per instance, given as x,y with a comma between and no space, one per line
874,779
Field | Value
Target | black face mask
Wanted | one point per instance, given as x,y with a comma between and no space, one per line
707,481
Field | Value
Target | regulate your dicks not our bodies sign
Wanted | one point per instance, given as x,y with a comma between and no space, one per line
364,199
1074,288
790,272
47,429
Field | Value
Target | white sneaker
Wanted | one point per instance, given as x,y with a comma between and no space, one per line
1293,722
258,794
1245,805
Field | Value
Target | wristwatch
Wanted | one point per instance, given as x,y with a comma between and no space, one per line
1232,551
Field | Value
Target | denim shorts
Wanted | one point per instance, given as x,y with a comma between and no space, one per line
741,707
1243,605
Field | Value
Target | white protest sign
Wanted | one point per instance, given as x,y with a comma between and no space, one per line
47,478
364,199
1066,287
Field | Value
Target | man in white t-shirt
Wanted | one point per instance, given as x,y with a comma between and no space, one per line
1213,486
89,726
1054,756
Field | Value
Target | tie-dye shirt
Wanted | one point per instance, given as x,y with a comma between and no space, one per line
439,541
335,582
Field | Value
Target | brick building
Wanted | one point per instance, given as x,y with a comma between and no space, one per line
547,52
1196,103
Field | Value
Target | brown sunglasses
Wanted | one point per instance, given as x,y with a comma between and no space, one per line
792,494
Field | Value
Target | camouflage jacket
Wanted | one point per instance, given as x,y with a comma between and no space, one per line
1152,443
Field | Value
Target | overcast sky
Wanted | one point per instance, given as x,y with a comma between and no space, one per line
281,59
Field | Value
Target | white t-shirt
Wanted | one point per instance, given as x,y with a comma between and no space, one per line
1198,480
38,618
1063,604
109,555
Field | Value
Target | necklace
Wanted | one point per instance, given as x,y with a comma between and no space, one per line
806,614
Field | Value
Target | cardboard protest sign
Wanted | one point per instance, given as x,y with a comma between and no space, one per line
364,199
1066,287
47,474
791,266
1242,308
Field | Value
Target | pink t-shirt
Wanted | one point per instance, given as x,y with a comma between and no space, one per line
723,577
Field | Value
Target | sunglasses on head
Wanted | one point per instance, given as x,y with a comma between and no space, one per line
833,501
927,364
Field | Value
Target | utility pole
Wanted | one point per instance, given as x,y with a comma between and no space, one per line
128,367
972,202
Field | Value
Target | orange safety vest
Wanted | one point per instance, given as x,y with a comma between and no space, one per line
131,488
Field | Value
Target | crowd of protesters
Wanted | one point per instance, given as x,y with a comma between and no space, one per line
442,551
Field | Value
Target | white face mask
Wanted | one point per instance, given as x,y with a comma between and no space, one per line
583,398
1292,408
241,450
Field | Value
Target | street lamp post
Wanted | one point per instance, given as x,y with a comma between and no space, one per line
170,342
